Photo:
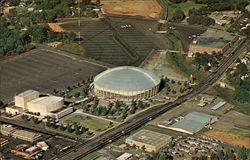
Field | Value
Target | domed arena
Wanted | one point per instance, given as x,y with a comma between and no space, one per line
126,83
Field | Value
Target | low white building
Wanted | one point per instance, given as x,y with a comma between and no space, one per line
57,114
13,110
124,156
45,105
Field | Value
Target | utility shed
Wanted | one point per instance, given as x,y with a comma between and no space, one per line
152,141
193,122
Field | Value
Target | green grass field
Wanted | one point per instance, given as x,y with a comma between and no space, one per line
73,92
180,64
91,156
170,8
71,47
92,123
84,135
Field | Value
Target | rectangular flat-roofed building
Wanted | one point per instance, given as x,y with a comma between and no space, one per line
44,105
23,98
3,142
193,122
10,131
212,41
152,141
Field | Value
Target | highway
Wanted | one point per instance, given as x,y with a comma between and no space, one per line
142,118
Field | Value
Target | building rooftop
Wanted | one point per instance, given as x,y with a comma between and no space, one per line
193,122
27,93
214,38
150,137
126,78
124,156
46,100
218,105
22,133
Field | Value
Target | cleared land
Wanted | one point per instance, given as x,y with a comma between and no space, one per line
42,70
228,138
92,123
144,8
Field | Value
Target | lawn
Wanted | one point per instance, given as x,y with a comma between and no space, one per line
92,123
73,92
120,141
92,156
84,135
71,47
182,65
30,123
172,42
184,6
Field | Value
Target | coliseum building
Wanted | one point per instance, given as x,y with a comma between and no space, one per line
126,83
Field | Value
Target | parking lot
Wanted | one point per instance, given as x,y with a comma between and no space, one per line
43,70
99,43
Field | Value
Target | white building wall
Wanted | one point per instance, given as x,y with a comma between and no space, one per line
44,109
22,100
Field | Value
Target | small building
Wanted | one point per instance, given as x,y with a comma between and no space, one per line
13,110
55,44
10,11
224,17
43,145
213,41
3,142
23,98
193,122
26,151
218,105
124,156
45,105
152,141
10,131
57,114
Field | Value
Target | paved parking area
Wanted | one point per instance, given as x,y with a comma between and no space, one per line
43,70
99,43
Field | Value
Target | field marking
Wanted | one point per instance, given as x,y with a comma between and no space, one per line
74,58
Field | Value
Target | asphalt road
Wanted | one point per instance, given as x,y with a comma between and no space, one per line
146,116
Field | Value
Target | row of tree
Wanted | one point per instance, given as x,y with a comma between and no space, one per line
119,109
241,85
207,61
222,5
17,37
73,128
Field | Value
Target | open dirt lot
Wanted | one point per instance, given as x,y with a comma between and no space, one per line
228,138
145,8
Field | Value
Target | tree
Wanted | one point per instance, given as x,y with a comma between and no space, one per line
78,130
62,127
221,154
214,156
70,129
14,2
242,153
178,16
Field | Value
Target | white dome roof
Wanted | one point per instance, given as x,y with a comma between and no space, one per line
126,78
